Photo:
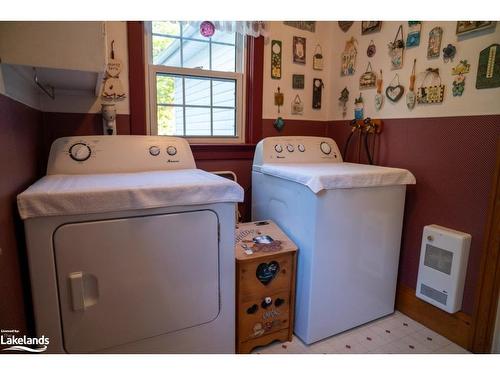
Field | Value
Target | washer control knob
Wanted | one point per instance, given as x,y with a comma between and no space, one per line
325,148
171,150
278,148
154,150
290,147
301,147
80,151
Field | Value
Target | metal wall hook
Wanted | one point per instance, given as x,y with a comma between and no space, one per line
47,89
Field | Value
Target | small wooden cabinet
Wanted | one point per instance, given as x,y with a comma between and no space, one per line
266,261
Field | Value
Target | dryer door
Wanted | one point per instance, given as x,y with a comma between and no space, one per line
128,279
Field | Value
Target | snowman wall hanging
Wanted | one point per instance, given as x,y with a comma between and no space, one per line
113,89
358,108
396,49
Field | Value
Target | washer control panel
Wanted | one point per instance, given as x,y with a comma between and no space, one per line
296,149
122,153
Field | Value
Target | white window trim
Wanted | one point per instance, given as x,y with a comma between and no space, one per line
151,103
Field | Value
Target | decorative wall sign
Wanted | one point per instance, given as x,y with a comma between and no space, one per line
299,50
396,49
371,50
368,79
466,27
278,99
488,69
434,47
449,53
318,58
462,68
297,106
112,88
413,38
317,89
368,27
358,108
349,58
344,98
266,272
276,59
379,98
410,95
458,85
302,25
298,81
345,25
394,91
430,92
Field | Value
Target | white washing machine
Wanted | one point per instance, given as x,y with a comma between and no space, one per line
346,220
130,248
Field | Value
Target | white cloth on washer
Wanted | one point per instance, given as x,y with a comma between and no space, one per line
55,195
326,176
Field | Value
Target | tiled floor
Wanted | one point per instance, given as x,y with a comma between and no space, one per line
394,334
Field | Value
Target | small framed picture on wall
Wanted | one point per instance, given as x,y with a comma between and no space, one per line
298,81
368,27
299,50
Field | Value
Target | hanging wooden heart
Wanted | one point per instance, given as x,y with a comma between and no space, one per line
345,25
394,93
266,272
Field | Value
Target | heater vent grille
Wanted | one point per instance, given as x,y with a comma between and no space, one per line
436,295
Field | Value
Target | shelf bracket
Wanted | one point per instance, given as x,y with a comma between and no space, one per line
47,89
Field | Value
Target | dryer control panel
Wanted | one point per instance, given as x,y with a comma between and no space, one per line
296,149
118,154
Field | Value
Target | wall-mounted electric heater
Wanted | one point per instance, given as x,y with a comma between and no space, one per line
443,264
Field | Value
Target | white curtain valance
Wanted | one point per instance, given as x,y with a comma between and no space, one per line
253,28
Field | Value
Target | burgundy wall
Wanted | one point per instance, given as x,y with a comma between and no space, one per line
453,160
20,135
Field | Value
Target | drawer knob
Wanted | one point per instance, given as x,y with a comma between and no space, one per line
252,309
266,302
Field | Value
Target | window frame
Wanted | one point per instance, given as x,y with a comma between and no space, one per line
151,102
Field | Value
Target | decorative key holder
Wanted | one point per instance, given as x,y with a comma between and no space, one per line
276,59
317,89
318,58
432,92
297,106
394,91
368,79
396,49
434,47
349,58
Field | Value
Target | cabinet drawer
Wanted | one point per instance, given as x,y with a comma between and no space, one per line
256,321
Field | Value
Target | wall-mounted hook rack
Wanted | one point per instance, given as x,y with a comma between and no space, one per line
47,89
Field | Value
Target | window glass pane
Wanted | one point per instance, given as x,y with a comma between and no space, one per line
166,27
224,122
224,37
197,121
195,54
188,31
170,120
224,93
168,89
197,91
223,57
166,51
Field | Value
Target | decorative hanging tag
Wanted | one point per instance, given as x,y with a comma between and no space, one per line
358,108
368,79
298,81
345,25
396,49
394,92
411,98
299,50
371,50
458,85
344,98
112,88
434,47
488,68
379,98
317,89
278,99
318,58
276,59
297,106
349,58
431,92
413,38
449,53
462,68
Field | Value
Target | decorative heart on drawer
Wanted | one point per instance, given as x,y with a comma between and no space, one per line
266,272
394,93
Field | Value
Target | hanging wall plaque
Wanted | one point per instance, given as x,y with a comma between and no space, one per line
317,89
297,106
344,98
368,79
458,85
299,50
410,95
349,58
302,25
488,68
276,59
278,99
395,90
413,38
434,47
368,27
462,68
430,90
298,81
466,27
345,25
379,98
396,49
449,53
112,88
318,58
371,50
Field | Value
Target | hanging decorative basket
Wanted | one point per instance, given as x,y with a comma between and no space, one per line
430,91
396,49
297,106
318,58
368,79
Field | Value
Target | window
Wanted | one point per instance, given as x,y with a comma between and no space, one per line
195,83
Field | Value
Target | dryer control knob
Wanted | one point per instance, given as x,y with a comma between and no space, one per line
290,148
171,150
301,147
154,151
80,151
278,148
325,148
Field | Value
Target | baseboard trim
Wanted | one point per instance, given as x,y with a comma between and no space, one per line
455,327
